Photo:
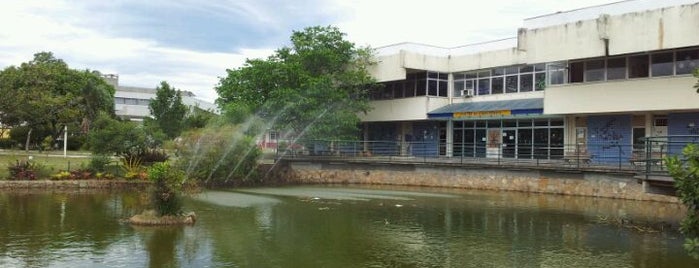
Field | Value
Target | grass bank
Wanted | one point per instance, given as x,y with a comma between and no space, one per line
52,161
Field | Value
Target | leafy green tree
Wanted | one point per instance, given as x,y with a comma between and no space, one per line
315,87
197,118
218,154
685,171
112,136
45,94
686,174
168,110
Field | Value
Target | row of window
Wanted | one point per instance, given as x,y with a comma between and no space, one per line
415,85
511,79
131,101
543,122
666,63
527,78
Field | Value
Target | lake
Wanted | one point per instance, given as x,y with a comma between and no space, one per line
342,226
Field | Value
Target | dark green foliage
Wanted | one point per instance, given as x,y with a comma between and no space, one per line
99,163
168,110
24,170
168,183
315,87
149,156
111,136
685,171
75,143
7,143
45,94
218,154
197,118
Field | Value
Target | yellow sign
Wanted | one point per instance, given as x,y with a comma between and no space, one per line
482,113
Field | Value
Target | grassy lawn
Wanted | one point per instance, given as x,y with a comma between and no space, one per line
52,161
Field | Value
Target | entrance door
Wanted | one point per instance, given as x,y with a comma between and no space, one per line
493,143
509,143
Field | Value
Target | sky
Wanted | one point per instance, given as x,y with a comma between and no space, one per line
191,43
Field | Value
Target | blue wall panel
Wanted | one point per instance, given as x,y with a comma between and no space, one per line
609,138
425,139
680,124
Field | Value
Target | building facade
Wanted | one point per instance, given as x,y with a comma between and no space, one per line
591,81
132,102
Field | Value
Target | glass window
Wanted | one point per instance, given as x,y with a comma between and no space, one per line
119,100
409,87
497,85
470,75
512,70
638,66
540,67
662,64
577,71
421,88
432,75
526,69
539,81
443,76
458,87
483,86
458,76
499,71
443,88
526,82
511,83
616,68
687,61
557,73
484,74
432,87
525,122
594,70
398,91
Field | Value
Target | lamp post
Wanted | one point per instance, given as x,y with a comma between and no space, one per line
65,141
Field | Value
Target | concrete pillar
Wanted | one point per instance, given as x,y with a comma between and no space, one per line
450,138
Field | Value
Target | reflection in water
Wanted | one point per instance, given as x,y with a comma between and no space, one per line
340,227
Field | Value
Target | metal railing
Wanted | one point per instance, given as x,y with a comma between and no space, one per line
599,156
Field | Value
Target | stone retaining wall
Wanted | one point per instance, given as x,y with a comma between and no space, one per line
74,184
597,184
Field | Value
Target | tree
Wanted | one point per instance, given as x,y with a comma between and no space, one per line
686,174
112,136
168,110
315,87
45,94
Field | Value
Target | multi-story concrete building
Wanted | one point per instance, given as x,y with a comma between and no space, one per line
588,81
132,102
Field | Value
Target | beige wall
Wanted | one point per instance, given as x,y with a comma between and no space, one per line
403,109
651,94
388,68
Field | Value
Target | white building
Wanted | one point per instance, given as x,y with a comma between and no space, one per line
132,102
593,80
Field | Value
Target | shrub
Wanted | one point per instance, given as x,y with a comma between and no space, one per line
24,170
685,171
151,156
168,185
132,168
7,143
78,174
218,154
99,163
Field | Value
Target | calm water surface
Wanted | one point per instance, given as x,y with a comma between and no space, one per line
340,227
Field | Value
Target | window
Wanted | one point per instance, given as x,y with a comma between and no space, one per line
638,134
594,70
638,66
662,64
557,73
511,83
497,85
577,72
539,81
526,82
483,86
616,68
437,84
687,61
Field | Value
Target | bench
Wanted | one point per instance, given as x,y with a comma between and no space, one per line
639,158
577,157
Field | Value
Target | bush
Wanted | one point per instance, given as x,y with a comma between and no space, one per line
75,143
7,143
79,174
24,170
99,163
168,181
685,171
219,153
149,156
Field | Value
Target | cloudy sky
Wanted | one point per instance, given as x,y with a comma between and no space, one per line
190,43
